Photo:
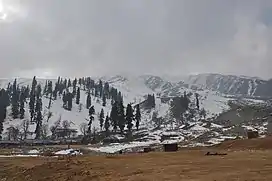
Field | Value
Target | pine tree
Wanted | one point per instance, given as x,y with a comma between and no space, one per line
27,92
96,91
104,100
32,99
107,125
22,106
100,88
65,83
55,92
78,96
153,101
49,90
138,116
45,87
80,81
50,100
39,90
64,99
3,105
91,118
15,101
101,119
69,97
38,118
88,101
197,100
121,116
114,116
129,117
69,83
74,87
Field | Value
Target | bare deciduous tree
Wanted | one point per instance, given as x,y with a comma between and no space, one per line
44,132
49,115
84,128
13,133
55,127
25,127
66,126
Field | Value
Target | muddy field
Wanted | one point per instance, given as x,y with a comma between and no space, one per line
245,160
182,165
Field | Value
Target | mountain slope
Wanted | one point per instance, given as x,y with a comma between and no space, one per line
211,88
232,85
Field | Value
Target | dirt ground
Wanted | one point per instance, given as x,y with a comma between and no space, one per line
183,165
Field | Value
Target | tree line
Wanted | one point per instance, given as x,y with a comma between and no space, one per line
68,91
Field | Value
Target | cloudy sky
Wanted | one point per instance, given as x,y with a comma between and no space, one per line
101,37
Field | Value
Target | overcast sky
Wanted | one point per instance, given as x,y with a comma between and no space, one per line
97,37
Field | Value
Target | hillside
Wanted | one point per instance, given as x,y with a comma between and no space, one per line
134,90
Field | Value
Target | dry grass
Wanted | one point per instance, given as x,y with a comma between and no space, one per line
183,165
252,160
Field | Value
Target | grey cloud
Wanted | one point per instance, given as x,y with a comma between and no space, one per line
74,38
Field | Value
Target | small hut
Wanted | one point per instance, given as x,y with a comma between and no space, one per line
170,147
252,134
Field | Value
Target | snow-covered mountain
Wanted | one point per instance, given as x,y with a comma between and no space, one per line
214,92
232,85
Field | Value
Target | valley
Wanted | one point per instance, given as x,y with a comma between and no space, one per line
228,114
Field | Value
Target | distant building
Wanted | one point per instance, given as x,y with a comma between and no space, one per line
65,133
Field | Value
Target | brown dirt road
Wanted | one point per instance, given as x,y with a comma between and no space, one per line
186,165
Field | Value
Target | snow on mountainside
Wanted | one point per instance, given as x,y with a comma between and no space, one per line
232,85
212,90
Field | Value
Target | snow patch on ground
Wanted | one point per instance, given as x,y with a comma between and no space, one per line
113,148
33,152
68,152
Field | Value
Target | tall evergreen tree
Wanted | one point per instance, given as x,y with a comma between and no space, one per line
15,100
64,99
91,118
107,90
88,101
101,119
121,116
55,92
69,97
49,90
50,100
100,88
114,116
197,100
27,92
69,83
65,83
129,117
78,96
96,91
80,82
38,118
104,100
32,99
138,116
39,91
3,105
74,87
45,87
107,125
22,106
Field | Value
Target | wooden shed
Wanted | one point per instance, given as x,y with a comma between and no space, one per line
170,147
252,134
